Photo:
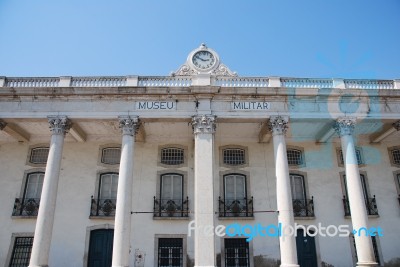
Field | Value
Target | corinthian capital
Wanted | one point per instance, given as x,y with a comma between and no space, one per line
203,124
345,126
278,124
129,125
59,124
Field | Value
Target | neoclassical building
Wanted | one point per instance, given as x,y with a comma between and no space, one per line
140,171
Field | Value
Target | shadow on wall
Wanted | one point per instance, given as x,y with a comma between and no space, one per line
261,261
395,262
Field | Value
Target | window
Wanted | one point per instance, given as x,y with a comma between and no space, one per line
394,155
111,155
234,156
295,157
235,202
302,207
170,252
106,202
236,252
28,205
171,202
172,156
358,155
370,202
21,252
39,155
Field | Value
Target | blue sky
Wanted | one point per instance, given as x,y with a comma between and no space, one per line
348,39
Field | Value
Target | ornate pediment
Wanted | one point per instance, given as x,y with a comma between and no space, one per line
203,60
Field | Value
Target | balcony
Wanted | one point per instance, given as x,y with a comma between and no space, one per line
303,207
236,207
370,204
103,207
170,208
26,207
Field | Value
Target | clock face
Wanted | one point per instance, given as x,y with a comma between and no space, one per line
203,60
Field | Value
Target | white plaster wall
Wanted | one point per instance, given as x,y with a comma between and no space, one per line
78,178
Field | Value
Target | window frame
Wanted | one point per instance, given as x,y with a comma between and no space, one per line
303,157
251,252
184,246
13,238
177,166
30,149
390,151
100,155
221,156
377,249
339,156
396,176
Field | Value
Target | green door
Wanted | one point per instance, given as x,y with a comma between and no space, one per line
100,248
306,254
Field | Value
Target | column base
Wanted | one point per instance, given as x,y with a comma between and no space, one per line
289,265
366,264
38,266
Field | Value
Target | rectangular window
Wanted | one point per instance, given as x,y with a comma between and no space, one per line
358,155
170,252
236,252
294,157
111,155
39,155
172,156
396,156
21,253
234,156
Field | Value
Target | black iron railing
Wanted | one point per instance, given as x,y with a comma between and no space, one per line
303,207
26,207
103,207
171,207
236,207
370,204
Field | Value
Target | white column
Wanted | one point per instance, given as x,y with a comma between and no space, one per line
122,227
278,126
345,127
204,244
45,219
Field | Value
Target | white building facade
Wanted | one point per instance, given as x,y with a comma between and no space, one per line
140,171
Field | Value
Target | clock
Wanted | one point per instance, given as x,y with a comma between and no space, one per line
203,60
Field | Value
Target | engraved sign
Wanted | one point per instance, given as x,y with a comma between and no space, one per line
156,105
250,105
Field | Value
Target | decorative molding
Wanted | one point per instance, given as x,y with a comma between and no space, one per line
59,124
184,70
3,125
129,125
223,70
204,124
345,125
278,125
396,125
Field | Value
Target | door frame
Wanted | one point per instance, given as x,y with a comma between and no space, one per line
89,229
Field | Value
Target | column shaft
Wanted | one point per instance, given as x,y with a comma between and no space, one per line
278,126
45,218
359,217
204,247
122,227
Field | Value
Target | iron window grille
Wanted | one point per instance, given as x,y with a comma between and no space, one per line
172,156
370,204
39,155
358,155
21,253
111,155
303,207
294,157
237,252
234,156
170,252
396,156
171,207
103,207
236,207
